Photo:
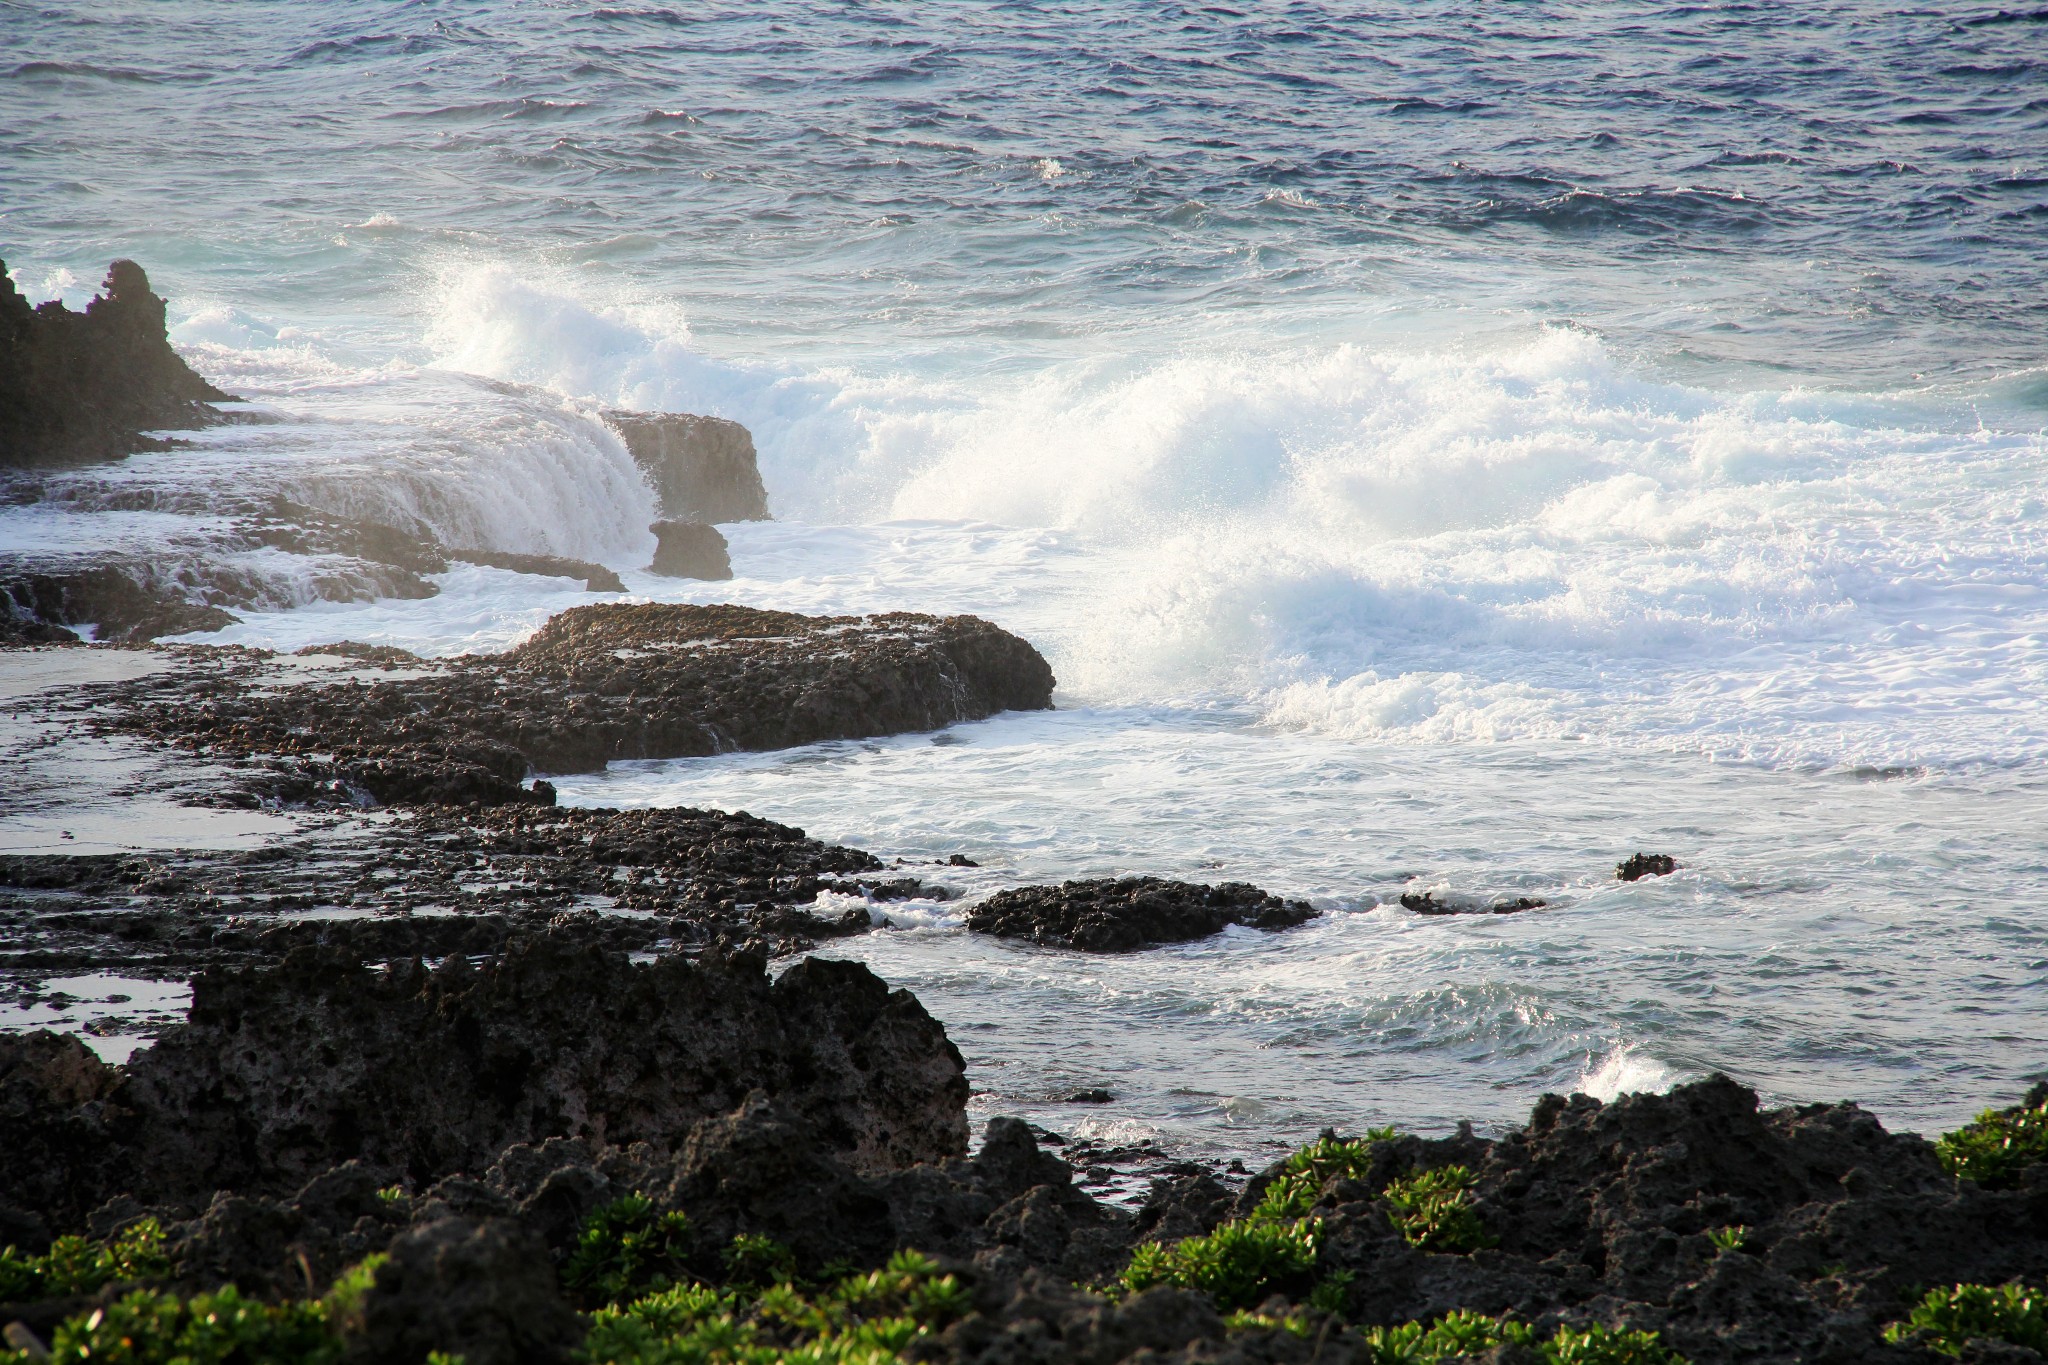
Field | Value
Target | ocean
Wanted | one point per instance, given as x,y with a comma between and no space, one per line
1441,448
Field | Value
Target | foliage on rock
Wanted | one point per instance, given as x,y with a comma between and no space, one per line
78,1265
1947,1320
626,1249
1998,1146
1237,1266
1433,1209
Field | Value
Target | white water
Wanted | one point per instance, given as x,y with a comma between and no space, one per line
1570,474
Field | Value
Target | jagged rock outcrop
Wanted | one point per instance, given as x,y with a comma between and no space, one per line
283,1072
76,387
1122,915
614,680
689,549
703,468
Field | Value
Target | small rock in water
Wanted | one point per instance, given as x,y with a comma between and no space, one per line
1642,865
1095,1096
1430,903
689,549
1107,915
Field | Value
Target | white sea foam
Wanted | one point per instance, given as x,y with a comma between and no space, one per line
1626,1070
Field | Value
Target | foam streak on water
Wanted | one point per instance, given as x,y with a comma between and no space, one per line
1436,451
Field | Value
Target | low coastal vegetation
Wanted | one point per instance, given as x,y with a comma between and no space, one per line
1948,1320
2000,1144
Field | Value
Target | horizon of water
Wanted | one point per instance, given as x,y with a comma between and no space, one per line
1435,452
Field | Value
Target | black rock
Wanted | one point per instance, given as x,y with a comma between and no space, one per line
596,577
1430,903
689,549
1122,915
1095,1096
702,468
1642,865
76,387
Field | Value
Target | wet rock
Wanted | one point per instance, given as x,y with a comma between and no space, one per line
596,577
1640,865
689,549
1433,903
1123,915
596,683
122,603
1093,1096
76,387
703,468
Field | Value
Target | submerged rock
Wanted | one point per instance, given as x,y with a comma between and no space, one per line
689,549
1122,915
76,387
703,468
1642,865
1433,903
596,683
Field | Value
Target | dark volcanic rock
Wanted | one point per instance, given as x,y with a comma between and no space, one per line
1430,903
597,683
702,468
84,386
689,549
125,603
1120,916
486,1284
283,1072
1642,865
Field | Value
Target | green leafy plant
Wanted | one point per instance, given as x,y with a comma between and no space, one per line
76,1265
146,1327
626,1248
1732,1238
1237,1265
1433,1210
1303,1175
1466,1334
1455,1334
756,1260
1945,1319
1997,1147
1332,1295
1295,1322
869,1319
1597,1345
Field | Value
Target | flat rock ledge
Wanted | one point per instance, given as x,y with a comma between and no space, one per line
1125,914
468,1122
596,683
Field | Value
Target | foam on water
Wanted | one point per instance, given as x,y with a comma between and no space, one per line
1427,463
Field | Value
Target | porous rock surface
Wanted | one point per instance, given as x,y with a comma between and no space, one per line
1121,915
76,387
281,1071
596,683
1597,1213
431,881
703,468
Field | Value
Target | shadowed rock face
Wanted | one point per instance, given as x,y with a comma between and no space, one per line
76,387
689,549
281,1072
614,680
702,468
1121,916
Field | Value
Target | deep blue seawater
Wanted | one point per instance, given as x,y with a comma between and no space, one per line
1438,446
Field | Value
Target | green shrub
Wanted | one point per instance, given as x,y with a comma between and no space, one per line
1597,1345
1997,1147
1947,1318
1455,1334
625,1250
1466,1334
1294,1191
1295,1322
861,1320
1433,1210
1732,1238
1237,1265
221,1328
758,1261
75,1265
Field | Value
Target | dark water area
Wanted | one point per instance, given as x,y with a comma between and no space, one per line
1850,193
